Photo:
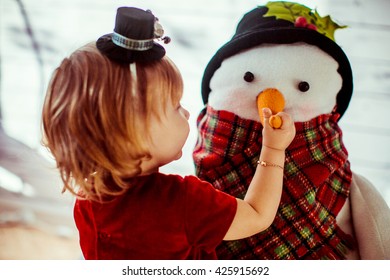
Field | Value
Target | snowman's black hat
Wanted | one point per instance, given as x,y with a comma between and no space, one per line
285,23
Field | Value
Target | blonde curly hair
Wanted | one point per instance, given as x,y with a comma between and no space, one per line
96,116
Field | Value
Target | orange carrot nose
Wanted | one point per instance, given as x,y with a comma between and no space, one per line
273,99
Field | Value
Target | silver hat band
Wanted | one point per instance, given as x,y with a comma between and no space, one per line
131,44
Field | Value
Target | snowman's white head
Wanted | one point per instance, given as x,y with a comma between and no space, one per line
282,45
307,77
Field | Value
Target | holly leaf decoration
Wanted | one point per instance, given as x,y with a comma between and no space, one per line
325,25
286,10
291,11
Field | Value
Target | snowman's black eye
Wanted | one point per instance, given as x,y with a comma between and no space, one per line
303,86
249,77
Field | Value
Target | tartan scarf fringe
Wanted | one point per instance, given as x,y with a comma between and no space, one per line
317,177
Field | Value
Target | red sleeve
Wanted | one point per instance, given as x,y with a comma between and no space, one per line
86,225
209,213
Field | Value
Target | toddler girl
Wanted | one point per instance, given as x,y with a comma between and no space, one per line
111,118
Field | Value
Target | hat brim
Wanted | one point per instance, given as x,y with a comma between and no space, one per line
285,35
122,55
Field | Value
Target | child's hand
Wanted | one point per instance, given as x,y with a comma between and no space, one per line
278,139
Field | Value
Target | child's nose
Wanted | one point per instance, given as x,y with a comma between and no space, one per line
186,113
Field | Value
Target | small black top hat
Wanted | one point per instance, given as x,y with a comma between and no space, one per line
133,39
281,22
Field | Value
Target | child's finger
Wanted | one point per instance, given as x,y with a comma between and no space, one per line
267,113
287,120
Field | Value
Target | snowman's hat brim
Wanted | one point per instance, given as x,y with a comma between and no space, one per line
282,32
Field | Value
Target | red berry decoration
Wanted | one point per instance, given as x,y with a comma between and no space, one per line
301,22
312,27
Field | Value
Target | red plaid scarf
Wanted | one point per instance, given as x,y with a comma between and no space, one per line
317,178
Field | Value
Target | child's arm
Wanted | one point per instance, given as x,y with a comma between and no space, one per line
258,209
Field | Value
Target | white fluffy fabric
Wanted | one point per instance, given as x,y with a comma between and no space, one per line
282,67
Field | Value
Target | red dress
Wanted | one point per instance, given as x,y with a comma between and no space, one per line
159,217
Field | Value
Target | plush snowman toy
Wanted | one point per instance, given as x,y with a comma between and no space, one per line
285,53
